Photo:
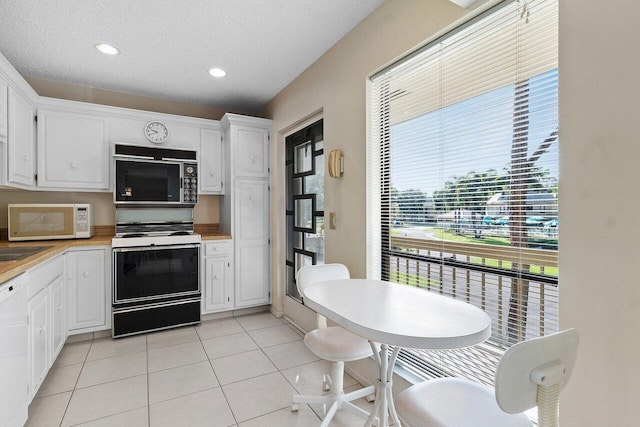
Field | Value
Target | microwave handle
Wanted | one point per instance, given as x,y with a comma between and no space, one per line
130,156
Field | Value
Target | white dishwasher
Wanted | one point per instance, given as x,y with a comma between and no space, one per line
13,352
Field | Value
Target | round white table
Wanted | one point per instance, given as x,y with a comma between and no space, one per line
398,315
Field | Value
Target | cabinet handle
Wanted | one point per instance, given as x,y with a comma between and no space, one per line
251,198
42,330
86,274
216,277
59,308
253,159
211,173
74,165
25,158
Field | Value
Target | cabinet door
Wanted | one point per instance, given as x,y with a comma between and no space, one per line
86,289
38,340
3,108
252,152
216,292
73,151
21,141
252,243
58,329
211,164
252,210
252,273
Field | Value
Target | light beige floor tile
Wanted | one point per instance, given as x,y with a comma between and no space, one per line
136,418
207,408
259,321
176,355
258,396
218,328
102,400
241,366
176,382
291,354
307,379
60,379
109,347
48,411
112,369
304,417
228,345
172,337
72,354
267,337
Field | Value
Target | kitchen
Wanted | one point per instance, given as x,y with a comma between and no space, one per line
136,219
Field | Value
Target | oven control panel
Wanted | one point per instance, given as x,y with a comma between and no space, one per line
190,183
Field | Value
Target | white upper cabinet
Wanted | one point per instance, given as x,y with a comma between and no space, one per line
252,160
21,141
3,109
73,151
211,162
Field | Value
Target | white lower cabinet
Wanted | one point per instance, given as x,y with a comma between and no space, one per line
38,340
58,317
46,319
217,289
87,290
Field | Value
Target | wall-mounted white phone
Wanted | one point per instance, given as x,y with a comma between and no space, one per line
336,165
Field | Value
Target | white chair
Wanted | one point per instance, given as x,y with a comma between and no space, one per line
336,345
530,373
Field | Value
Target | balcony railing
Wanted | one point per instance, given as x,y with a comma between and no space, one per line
517,287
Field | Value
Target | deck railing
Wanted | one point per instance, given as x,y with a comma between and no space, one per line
517,287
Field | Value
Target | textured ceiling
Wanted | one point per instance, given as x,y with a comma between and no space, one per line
167,46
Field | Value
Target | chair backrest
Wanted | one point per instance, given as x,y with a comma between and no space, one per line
319,273
544,361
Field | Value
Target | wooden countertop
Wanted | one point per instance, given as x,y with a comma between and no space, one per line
11,269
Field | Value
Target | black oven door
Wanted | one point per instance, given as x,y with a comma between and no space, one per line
155,272
147,182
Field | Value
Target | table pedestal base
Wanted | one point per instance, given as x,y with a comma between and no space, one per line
384,407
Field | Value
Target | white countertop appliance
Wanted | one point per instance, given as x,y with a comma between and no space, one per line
39,221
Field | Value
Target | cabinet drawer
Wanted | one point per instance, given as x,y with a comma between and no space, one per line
42,275
222,248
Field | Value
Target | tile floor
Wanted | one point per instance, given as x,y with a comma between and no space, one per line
233,372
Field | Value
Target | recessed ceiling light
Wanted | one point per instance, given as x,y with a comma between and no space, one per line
217,72
107,49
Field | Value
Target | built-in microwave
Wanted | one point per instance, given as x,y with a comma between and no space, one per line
151,176
49,221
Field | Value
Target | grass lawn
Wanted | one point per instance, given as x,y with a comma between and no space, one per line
487,240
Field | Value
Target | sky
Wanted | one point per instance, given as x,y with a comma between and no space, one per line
472,135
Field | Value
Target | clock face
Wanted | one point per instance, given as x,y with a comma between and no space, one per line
156,132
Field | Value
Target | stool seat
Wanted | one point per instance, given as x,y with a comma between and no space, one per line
454,402
336,344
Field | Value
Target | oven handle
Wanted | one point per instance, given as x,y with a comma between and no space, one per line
156,247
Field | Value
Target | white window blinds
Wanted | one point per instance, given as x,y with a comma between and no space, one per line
462,175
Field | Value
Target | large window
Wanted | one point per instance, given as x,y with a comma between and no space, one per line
463,178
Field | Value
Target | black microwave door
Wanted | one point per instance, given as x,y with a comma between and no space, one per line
147,182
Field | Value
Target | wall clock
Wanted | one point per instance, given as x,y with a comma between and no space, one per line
156,132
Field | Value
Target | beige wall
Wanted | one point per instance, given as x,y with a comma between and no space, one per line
599,160
599,164
120,99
